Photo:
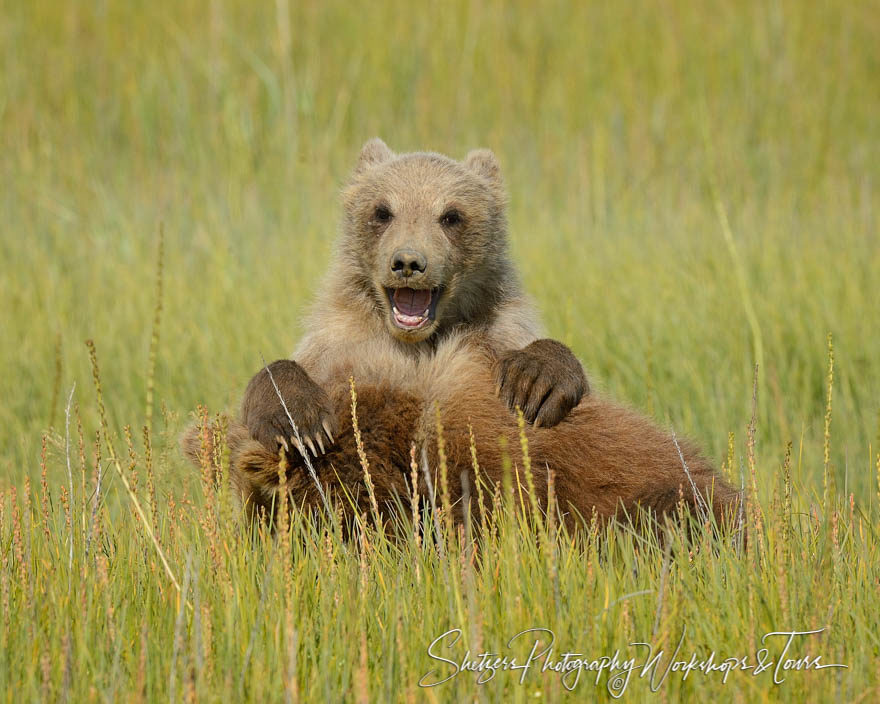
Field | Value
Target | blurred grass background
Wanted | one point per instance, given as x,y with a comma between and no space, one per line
624,130
694,189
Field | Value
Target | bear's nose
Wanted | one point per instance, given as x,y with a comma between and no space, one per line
407,262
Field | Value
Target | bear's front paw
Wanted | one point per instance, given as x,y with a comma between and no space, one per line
544,379
308,406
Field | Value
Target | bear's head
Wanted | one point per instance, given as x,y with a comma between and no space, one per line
425,239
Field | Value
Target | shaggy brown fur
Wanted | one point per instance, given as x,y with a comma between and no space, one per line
422,307
605,457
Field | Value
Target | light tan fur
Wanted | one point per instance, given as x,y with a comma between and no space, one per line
347,331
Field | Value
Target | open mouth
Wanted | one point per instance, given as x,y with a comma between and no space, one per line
413,308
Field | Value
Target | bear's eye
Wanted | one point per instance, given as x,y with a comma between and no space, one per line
382,214
450,218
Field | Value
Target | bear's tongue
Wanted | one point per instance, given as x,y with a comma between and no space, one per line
410,301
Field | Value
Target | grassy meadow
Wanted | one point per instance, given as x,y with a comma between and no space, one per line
694,191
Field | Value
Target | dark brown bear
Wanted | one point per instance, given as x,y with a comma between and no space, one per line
423,308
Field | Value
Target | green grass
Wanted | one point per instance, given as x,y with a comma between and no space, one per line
693,190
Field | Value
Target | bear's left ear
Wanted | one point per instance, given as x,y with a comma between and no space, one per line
375,151
483,163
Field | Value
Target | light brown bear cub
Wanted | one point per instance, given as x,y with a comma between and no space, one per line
422,260
423,308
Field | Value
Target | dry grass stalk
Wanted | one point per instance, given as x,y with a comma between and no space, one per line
445,499
18,545
4,575
552,567
81,448
96,501
362,693
208,515
151,480
527,471
497,502
703,509
132,459
115,460
69,507
755,509
478,481
44,489
362,455
282,514
414,498
827,478
154,334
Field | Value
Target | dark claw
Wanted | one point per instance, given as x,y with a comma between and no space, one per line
544,379
309,408
326,426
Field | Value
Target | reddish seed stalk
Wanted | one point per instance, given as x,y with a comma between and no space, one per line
362,455
827,478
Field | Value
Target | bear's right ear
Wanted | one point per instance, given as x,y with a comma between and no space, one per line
374,152
484,163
